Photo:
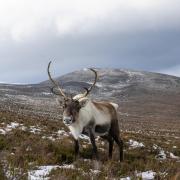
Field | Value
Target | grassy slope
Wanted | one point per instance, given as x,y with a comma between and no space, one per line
24,150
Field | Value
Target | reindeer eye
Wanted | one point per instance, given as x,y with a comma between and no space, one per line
64,106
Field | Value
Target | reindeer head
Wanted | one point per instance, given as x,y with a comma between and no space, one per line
71,106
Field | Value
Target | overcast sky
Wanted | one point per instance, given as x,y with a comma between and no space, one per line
135,34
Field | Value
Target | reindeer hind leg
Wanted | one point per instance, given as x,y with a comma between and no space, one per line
111,143
114,131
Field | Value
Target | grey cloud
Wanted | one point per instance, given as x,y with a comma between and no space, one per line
148,50
142,35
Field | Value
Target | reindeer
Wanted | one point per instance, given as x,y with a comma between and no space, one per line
85,116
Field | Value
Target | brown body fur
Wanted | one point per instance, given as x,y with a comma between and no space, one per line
113,133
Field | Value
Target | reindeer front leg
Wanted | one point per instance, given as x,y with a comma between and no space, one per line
92,138
76,148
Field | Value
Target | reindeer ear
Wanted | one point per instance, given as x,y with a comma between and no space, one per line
83,102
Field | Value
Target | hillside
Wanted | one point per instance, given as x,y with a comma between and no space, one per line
142,96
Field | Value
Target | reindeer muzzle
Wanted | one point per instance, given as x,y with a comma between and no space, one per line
68,120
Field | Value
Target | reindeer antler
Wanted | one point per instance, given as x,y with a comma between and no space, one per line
88,90
55,83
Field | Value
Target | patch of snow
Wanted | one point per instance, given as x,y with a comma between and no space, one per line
82,136
62,133
46,93
161,155
8,95
93,171
49,137
2,131
135,144
148,175
23,128
42,172
55,136
126,178
9,127
67,166
13,125
97,84
155,146
133,73
173,156
124,114
35,130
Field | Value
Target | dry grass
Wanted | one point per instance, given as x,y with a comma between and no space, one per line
24,150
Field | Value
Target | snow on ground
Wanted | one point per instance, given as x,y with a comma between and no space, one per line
155,146
97,84
23,128
9,127
35,130
62,133
46,93
95,172
148,175
2,131
173,156
135,144
14,125
57,135
82,136
126,178
161,155
49,137
42,172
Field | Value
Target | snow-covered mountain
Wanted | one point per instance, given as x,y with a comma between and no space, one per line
117,82
111,83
